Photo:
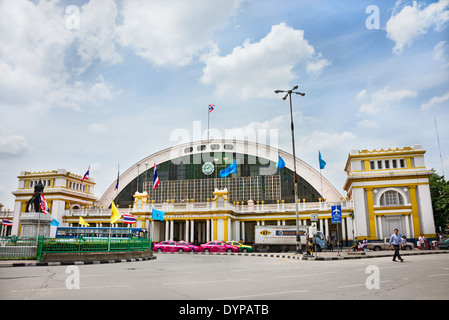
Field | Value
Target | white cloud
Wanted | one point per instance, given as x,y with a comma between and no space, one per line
256,69
381,99
414,21
11,145
97,128
441,53
319,140
97,33
33,49
367,124
173,32
435,101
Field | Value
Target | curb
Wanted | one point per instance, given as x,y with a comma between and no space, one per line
70,263
310,258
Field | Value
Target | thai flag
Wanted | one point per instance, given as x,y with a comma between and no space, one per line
156,178
7,222
118,177
211,107
128,218
86,175
44,205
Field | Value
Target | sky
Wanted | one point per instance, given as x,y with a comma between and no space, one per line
103,83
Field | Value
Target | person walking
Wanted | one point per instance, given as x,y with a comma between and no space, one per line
397,241
422,242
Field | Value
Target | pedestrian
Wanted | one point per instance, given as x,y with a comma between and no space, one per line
396,240
307,242
355,244
422,242
364,244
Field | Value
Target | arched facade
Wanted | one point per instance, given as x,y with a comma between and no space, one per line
257,178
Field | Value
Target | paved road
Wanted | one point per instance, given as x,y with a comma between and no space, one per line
225,277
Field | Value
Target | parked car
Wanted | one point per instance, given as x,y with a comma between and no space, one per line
170,246
379,245
241,246
443,244
192,246
218,246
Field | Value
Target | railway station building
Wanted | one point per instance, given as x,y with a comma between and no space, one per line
385,189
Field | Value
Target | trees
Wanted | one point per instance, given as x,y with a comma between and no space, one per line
439,192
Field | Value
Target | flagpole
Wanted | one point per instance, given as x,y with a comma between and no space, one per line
208,116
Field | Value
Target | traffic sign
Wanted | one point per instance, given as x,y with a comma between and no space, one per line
336,214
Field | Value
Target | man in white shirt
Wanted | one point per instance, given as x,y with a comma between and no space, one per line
396,240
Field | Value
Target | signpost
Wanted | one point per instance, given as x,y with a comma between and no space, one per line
337,219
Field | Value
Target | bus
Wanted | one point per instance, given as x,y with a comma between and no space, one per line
99,232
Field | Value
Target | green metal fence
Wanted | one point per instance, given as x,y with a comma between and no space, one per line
32,248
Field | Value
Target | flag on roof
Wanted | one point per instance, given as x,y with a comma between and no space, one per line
129,218
7,222
118,177
44,205
211,107
322,162
281,163
86,175
156,178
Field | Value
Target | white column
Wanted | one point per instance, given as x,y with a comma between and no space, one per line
172,224
349,227
242,228
152,230
187,230
192,231
326,227
379,227
207,230
167,235
343,229
407,226
321,225
229,229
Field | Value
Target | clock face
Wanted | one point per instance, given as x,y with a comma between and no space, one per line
208,168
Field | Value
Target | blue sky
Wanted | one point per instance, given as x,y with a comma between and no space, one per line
106,82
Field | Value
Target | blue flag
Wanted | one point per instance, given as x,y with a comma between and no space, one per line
231,169
54,222
322,162
281,163
158,215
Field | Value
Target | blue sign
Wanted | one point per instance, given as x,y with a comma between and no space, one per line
336,214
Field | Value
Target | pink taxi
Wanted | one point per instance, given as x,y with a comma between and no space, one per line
170,246
218,246
192,246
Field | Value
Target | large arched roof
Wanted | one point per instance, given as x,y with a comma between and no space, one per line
262,151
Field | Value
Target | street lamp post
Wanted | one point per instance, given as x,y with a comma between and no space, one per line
289,94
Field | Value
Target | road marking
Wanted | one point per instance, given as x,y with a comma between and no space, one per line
261,295
52,289
203,282
361,285
308,274
438,275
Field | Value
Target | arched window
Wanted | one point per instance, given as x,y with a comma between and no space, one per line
391,198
